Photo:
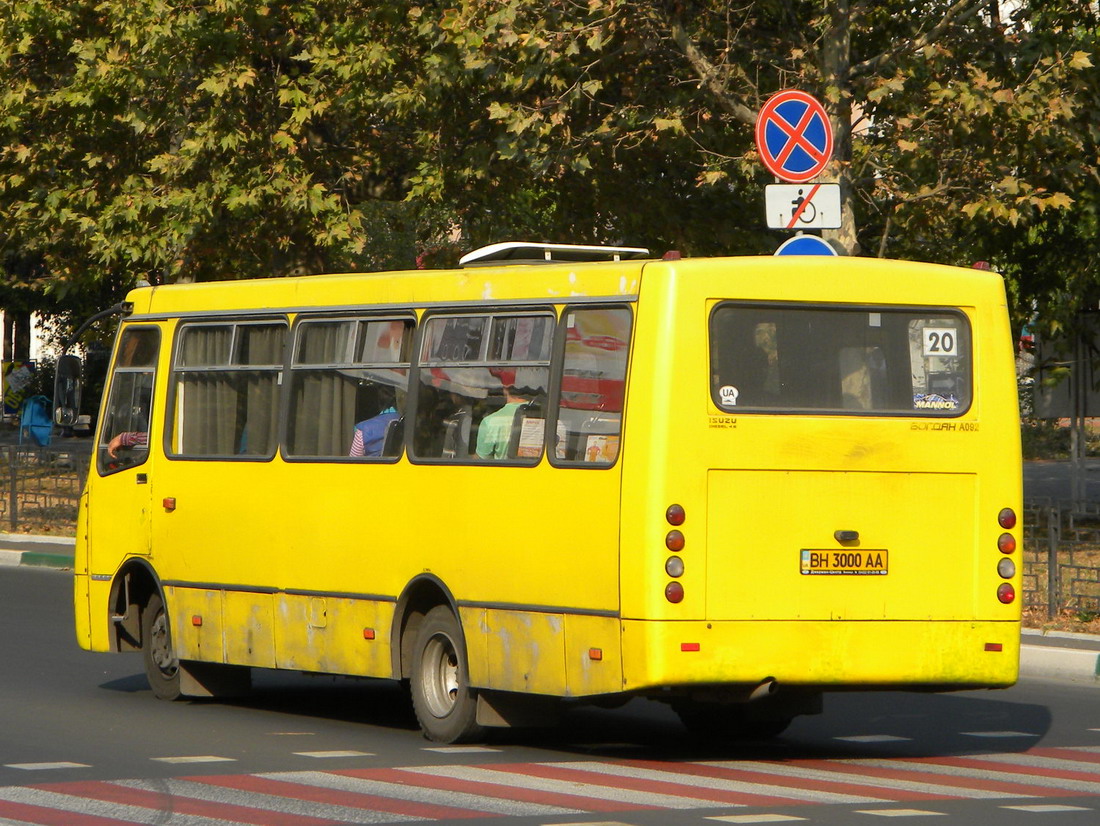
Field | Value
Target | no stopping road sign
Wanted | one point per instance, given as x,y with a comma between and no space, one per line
794,136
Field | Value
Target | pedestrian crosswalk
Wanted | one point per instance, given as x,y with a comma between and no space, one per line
453,792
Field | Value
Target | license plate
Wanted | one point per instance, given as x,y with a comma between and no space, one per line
852,563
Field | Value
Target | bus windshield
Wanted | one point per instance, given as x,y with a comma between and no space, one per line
785,358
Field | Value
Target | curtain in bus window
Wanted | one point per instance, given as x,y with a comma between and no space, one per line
589,418
323,398
262,346
207,400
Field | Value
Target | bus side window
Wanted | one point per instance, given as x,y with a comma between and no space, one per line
226,389
476,372
348,383
588,420
124,437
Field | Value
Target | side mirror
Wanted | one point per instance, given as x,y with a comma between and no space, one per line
66,391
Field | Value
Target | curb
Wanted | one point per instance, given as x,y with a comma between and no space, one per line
42,551
1060,663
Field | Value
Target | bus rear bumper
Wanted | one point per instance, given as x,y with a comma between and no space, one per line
831,655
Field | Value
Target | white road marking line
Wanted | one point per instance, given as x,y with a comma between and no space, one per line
99,808
1048,808
898,812
32,767
211,793
420,794
197,758
998,734
723,783
597,790
868,780
322,755
756,818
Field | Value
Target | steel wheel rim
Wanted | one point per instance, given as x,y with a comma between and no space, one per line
439,674
160,649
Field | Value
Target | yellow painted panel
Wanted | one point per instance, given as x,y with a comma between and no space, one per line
204,641
586,675
249,629
761,521
819,653
326,635
525,651
475,628
81,606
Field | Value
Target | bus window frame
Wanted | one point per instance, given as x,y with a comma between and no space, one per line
912,309
102,466
558,375
412,406
235,321
407,315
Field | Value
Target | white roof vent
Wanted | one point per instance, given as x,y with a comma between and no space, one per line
526,252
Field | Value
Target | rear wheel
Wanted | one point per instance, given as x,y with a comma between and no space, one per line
162,668
444,702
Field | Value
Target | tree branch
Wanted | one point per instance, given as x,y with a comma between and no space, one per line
960,11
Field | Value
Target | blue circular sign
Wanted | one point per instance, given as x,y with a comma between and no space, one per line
805,245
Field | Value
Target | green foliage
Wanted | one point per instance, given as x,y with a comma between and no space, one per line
241,138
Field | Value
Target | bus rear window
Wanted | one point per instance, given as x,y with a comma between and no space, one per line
841,361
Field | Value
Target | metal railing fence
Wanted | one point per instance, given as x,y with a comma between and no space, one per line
42,486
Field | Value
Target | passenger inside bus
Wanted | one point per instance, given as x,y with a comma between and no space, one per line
495,431
368,436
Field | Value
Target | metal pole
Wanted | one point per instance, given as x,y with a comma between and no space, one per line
1054,529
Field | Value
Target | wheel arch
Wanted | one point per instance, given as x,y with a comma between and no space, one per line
423,593
131,588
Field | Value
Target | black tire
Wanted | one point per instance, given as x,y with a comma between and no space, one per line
712,721
162,668
444,702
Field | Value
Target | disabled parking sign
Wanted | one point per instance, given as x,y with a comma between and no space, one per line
794,136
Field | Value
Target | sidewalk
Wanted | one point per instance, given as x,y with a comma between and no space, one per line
1054,654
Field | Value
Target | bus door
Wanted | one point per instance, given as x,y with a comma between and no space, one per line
123,491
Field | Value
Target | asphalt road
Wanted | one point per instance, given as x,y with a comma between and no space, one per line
82,741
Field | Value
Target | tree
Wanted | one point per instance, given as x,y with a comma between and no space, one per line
235,137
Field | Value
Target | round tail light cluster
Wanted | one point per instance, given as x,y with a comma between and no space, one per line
674,541
1006,544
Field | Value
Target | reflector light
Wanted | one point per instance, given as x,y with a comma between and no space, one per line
993,646
674,541
675,515
1007,518
1006,568
674,592
368,633
169,503
1006,542
595,654
1006,593
196,621
689,646
674,566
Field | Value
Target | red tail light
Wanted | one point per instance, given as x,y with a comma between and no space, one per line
674,592
1006,593
1006,543
1007,518
675,515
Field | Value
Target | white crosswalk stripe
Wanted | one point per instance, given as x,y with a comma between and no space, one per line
576,787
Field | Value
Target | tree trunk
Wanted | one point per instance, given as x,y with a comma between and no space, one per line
836,58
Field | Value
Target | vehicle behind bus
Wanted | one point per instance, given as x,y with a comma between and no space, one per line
730,484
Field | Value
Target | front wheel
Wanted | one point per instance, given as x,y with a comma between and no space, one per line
444,702
162,668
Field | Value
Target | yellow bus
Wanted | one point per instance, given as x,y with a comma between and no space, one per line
564,473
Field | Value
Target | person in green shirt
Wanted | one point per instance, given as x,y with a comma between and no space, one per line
495,431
